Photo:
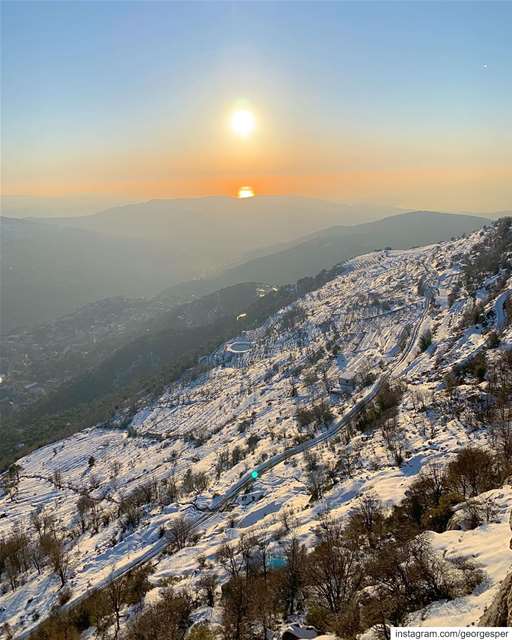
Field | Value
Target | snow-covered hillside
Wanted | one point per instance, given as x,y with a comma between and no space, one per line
243,442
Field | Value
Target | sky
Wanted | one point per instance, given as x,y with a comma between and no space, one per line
405,103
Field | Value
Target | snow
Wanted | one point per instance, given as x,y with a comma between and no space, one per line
486,546
366,309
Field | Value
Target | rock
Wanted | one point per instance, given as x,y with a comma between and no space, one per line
499,614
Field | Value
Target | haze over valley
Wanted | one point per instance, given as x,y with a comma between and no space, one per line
255,320
141,250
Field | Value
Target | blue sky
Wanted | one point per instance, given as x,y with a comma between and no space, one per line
97,95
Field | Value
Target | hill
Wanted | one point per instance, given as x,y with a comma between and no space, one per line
79,366
50,270
324,248
356,437
52,266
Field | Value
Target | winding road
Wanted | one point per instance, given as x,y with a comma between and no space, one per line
219,503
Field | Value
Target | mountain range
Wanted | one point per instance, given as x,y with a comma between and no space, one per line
186,248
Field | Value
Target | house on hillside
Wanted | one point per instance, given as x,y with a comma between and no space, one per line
297,631
347,382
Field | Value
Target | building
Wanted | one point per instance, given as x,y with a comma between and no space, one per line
297,631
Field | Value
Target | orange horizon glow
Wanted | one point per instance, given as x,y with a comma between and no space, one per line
472,189
357,168
335,112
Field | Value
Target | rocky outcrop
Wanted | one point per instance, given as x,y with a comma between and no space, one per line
499,614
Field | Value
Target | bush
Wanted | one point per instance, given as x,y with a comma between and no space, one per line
201,631
319,413
384,406
167,619
492,340
291,318
64,595
429,500
472,472
425,341
436,518
473,315
408,576
319,617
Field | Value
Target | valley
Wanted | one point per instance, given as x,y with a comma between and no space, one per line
343,394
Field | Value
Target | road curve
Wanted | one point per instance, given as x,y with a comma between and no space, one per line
222,501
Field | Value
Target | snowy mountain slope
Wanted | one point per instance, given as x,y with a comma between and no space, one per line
241,412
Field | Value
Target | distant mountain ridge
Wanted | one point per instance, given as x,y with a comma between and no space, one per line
51,267
48,271
324,248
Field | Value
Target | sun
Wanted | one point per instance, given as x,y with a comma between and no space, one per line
245,192
243,123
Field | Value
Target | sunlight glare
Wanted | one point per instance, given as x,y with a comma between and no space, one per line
243,123
245,192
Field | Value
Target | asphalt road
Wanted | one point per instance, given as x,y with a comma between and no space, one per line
222,501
